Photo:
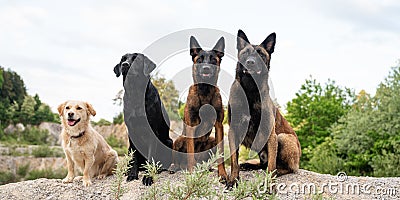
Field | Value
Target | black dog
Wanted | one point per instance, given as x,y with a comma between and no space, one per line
144,115
252,124
203,109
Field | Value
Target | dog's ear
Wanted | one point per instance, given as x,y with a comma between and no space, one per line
117,70
149,65
194,47
90,110
220,47
60,108
269,43
242,40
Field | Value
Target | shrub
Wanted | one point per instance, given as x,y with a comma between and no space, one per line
119,119
35,136
6,177
122,168
47,173
117,144
101,122
22,170
46,151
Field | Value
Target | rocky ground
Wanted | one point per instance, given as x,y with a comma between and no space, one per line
300,185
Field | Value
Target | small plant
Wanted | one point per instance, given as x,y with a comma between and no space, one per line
319,196
195,185
258,188
22,170
152,169
122,168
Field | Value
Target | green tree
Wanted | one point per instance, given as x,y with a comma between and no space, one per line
27,110
314,109
1,77
366,141
168,94
13,87
43,114
12,93
119,119
38,101
11,114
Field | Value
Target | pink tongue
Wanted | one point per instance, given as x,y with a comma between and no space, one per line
71,123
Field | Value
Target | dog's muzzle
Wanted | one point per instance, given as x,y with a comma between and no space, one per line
71,121
206,71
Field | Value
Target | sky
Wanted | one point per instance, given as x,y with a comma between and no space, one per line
67,49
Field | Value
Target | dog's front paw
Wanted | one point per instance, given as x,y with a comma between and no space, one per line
132,177
147,180
87,182
248,167
68,179
173,168
78,178
231,184
223,179
101,176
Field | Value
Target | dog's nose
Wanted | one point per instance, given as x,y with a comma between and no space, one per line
250,62
207,68
70,114
125,64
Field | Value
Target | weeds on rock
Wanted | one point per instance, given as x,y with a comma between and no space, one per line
119,175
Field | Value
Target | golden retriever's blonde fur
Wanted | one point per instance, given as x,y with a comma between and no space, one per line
83,146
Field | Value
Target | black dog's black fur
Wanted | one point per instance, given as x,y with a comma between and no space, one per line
138,114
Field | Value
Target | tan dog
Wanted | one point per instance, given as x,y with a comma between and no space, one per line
83,146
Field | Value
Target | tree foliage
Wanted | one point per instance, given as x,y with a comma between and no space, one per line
366,141
168,93
314,109
16,106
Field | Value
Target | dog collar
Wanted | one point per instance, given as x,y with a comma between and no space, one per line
78,136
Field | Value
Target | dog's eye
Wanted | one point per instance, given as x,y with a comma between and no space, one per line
79,108
67,107
198,60
259,52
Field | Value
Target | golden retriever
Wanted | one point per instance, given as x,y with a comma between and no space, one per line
83,146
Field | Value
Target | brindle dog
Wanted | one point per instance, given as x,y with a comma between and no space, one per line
203,109
254,120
